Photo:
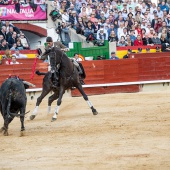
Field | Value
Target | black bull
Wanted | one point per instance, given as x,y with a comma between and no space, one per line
12,101
68,78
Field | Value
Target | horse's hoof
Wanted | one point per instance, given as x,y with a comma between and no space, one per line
22,133
53,119
32,117
2,129
5,133
94,111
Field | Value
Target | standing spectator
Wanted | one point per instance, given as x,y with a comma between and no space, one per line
113,56
138,41
73,19
12,39
120,30
3,32
65,37
80,27
10,32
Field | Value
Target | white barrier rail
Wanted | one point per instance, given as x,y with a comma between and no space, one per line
114,84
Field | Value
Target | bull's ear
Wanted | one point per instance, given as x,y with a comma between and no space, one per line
26,86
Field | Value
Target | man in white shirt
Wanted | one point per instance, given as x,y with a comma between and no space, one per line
17,54
13,61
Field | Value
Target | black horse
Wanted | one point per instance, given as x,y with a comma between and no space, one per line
68,78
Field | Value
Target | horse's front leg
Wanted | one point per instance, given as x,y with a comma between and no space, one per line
61,92
39,100
79,87
51,99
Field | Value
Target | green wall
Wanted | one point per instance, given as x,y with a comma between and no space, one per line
90,51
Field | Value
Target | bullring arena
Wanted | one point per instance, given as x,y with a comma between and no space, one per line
131,131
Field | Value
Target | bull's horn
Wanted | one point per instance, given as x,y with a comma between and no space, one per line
28,83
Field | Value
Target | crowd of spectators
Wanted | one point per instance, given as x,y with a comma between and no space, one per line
11,37
126,22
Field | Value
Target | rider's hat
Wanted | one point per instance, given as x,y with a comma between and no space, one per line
49,39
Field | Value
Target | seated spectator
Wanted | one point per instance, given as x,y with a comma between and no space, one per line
24,41
7,54
155,39
163,39
165,47
19,45
12,61
138,41
128,40
146,40
113,37
151,33
122,42
3,45
14,47
113,56
132,36
101,35
17,54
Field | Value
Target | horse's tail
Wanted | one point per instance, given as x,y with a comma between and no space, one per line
39,73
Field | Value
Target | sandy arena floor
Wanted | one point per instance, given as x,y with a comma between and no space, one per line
131,132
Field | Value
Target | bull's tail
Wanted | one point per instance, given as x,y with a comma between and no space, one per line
39,73
9,106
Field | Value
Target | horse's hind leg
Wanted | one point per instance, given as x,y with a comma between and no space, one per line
39,100
79,87
51,99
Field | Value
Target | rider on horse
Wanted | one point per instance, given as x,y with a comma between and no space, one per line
55,73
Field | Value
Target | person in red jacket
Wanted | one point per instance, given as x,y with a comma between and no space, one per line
138,41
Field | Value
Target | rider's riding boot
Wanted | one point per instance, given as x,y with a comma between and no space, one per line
81,80
80,70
